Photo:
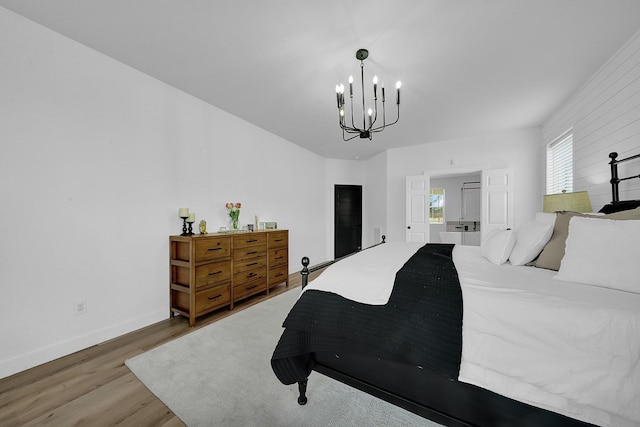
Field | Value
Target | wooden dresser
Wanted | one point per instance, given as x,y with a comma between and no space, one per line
211,271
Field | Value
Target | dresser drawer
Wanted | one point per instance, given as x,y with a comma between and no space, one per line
215,272
249,239
249,252
247,289
206,300
210,299
278,257
211,249
249,264
278,275
278,239
247,276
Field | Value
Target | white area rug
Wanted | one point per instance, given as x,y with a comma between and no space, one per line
220,375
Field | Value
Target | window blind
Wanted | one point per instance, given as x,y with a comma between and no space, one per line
560,165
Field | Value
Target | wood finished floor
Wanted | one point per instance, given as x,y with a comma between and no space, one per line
93,387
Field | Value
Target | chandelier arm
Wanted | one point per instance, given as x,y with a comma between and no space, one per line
384,119
375,115
378,129
350,130
347,139
353,125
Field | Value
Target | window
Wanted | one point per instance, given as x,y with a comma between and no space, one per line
436,206
560,164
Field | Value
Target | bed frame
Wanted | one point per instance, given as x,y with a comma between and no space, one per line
615,180
447,401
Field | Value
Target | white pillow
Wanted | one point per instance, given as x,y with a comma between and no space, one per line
602,252
497,245
530,240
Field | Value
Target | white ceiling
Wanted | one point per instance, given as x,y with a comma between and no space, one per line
468,67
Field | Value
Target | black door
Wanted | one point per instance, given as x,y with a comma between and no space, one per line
348,219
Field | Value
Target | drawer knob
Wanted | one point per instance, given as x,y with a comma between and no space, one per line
214,249
251,287
214,273
216,297
253,263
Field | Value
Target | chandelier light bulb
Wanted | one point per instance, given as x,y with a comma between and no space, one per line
375,87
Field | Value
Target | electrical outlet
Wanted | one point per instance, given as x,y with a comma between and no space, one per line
79,306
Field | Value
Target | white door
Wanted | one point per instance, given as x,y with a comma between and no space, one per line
497,197
417,210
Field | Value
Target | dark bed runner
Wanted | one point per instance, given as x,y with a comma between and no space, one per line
421,325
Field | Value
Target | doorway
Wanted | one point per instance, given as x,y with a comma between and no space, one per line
347,220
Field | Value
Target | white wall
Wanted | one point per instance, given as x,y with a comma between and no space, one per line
516,149
95,160
375,200
605,116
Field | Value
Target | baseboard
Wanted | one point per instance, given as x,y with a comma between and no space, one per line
43,355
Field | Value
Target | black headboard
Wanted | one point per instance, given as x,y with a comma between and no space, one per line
616,205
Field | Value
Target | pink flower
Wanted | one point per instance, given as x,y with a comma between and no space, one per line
238,205
229,205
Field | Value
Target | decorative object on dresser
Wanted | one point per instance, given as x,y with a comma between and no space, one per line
184,214
234,213
211,271
190,220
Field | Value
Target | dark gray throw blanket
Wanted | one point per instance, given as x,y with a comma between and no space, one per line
421,325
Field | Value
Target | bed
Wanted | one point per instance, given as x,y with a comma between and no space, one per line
491,335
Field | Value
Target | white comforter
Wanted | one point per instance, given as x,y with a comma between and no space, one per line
568,347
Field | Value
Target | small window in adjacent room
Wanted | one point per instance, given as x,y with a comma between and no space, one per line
436,206
560,164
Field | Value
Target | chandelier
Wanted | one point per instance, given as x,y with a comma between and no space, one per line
370,123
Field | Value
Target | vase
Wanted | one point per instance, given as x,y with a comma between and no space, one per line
234,223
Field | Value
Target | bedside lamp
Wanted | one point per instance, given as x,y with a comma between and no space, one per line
576,202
